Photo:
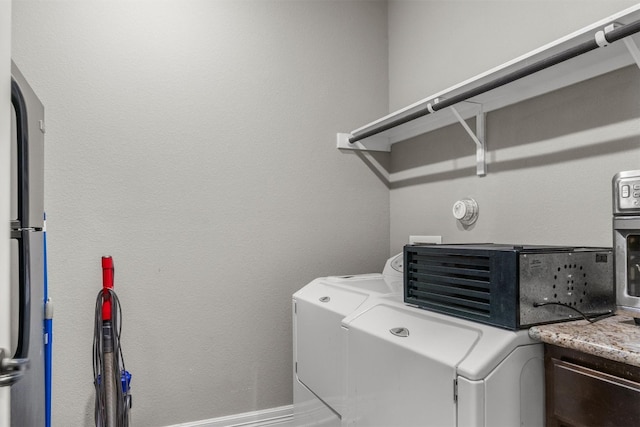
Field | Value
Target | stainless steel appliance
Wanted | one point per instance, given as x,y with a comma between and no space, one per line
22,365
626,238
510,286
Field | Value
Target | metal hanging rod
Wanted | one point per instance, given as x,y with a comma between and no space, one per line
601,39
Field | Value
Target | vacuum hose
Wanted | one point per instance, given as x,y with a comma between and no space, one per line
111,380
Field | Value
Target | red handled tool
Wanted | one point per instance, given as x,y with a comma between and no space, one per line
112,381
107,284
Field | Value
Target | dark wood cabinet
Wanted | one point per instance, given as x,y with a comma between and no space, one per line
583,390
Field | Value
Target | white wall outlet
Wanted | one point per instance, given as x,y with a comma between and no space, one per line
416,240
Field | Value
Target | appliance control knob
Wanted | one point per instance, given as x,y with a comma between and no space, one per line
466,211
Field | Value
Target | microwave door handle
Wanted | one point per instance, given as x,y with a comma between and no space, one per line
11,370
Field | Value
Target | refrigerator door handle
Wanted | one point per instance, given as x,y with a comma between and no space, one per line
11,370
22,133
24,283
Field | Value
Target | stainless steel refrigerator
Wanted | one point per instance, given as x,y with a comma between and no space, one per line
22,366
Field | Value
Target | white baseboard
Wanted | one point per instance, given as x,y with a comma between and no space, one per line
281,416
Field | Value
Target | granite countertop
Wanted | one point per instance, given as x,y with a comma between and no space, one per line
615,338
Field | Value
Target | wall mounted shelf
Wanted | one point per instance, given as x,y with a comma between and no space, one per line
597,49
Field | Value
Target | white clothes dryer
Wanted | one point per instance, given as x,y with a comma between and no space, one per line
410,367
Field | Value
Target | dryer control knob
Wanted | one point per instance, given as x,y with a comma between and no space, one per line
466,211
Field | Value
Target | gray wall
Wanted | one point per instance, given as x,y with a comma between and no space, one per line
194,141
550,159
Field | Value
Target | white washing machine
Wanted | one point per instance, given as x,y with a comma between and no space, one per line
319,347
364,358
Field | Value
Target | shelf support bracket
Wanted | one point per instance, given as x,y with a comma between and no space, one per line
478,137
632,47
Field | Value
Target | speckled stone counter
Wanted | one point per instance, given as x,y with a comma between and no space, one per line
615,338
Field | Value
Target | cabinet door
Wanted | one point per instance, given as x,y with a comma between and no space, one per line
587,397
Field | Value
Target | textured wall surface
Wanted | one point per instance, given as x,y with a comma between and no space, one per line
194,141
550,159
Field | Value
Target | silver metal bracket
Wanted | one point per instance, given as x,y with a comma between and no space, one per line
478,137
11,370
15,229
